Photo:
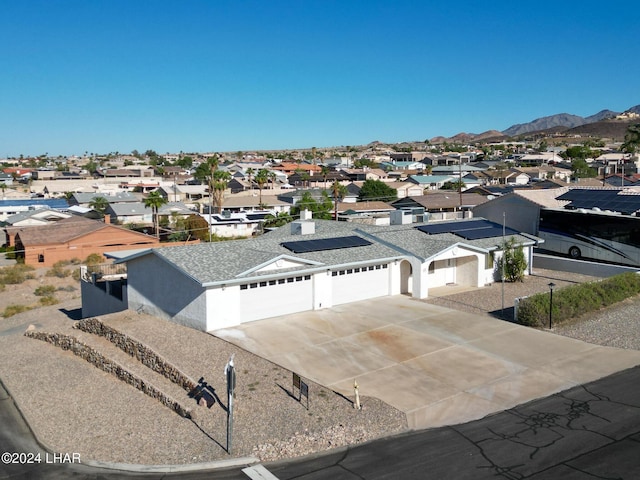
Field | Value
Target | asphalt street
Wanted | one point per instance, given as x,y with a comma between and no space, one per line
590,431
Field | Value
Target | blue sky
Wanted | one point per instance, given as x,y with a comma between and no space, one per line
116,75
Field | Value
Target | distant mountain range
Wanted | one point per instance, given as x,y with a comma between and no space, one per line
600,124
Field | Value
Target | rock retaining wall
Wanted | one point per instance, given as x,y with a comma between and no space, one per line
141,352
103,363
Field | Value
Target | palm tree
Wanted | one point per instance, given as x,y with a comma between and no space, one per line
250,173
3,186
154,201
324,170
220,183
272,178
262,178
338,191
99,204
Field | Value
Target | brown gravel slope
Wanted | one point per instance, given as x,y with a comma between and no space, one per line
74,407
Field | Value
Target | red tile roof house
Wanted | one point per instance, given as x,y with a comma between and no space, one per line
75,238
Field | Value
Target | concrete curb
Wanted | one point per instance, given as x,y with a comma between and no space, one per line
215,465
138,468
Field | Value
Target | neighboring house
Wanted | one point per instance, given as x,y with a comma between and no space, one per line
313,265
235,225
130,212
442,205
6,179
432,182
251,203
74,238
30,218
84,199
407,189
401,166
520,209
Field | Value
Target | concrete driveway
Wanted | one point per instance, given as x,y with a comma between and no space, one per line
439,366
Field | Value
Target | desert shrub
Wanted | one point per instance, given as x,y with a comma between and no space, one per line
48,300
44,290
16,274
75,274
576,300
94,259
58,270
514,260
11,310
10,253
67,288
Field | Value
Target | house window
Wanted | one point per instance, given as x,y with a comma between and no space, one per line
307,277
298,279
243,287
290,280
377,267
40,258
272,282
385,266
349,272
263,284
432,267
281,281
488,260
341,272
334,274
253,285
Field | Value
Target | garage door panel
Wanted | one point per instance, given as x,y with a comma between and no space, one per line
352,286
271,300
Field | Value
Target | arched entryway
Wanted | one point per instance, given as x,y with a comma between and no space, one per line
406,277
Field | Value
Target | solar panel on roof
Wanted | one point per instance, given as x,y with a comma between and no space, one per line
452,227
322,244
471,230
489,232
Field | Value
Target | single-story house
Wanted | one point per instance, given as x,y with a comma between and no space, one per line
74,238
308,265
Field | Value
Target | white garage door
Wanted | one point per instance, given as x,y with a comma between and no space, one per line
275,297
354,284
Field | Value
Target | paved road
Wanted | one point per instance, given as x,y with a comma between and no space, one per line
591,431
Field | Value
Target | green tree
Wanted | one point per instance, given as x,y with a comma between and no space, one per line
321,209
271,221
454,185
154,201
513,262
377,190
197,227
631,139
581,169
99,204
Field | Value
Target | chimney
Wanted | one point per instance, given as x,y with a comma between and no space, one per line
107,219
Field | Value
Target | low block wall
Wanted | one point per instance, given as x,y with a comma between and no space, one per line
100,361
141,352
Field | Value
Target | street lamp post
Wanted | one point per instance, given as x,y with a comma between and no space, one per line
551,286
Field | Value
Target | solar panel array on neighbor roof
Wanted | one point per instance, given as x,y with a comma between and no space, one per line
612,200
317,245
471,230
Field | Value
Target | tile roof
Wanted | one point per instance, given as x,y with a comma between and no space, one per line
60,232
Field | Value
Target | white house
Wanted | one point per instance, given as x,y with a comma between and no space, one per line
307,265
